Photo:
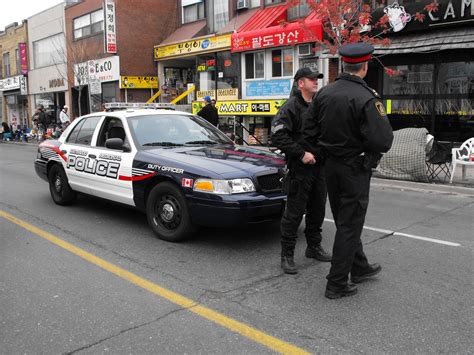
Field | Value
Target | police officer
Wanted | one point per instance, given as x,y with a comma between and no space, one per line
349,122
305,185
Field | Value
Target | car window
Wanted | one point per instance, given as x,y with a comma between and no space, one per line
85,131
175,129
75,131
111,128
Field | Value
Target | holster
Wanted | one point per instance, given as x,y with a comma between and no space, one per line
371,160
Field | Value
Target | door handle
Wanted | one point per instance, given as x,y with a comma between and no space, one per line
92,156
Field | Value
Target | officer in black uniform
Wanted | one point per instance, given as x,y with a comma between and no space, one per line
349,122
305,185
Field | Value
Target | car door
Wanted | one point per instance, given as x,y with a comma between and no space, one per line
113,167
77,148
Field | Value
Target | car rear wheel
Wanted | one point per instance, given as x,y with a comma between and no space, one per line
167,213
59,188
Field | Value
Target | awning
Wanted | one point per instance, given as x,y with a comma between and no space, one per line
459,38
264,30
186,32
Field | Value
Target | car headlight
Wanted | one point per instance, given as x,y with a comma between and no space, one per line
224,187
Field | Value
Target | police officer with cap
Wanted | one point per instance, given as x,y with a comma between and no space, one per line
305,185
348,121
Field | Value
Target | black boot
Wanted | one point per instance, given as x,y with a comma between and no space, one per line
287,262
337,292
317,252
370,271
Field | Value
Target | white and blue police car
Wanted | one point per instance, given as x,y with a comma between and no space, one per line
175,166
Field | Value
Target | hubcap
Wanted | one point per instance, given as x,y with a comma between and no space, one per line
58,183
167,212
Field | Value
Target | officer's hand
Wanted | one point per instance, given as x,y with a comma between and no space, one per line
308,158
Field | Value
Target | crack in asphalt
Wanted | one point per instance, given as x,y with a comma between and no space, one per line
380,238
127,330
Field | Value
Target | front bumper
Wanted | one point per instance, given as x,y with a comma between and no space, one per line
41,168
233,210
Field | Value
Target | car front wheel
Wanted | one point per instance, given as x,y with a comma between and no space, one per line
167,213
59,188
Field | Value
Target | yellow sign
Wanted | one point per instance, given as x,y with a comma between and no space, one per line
244,107
209,44
138,82
222,94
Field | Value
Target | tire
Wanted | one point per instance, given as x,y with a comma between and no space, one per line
167,213
59,188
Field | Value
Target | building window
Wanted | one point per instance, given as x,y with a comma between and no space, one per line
269,2
282,62
254,65
6,65
89,24
254,3
49,51
193,12
18,65
299,10
221,14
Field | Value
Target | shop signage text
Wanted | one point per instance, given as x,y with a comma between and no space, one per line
244,107
110,28
23,58
12,83
55,83
268,87
222,94
138,82
276,36
209,44
105,69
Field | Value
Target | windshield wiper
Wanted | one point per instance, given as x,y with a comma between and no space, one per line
163,144
201,142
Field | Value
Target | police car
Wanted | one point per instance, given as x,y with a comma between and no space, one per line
175,166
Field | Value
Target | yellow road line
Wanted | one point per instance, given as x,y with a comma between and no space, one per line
184,302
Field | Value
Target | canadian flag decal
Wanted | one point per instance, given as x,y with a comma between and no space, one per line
187,183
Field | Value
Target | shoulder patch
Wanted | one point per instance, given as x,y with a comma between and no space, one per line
380,108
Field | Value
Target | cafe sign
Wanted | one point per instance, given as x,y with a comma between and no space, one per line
222,94
244,107
202,45
138,82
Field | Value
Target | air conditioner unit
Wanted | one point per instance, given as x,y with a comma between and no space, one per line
242,4
306,50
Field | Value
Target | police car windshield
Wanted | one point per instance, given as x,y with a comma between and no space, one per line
175,130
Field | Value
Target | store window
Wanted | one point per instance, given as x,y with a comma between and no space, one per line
254,3
282,62
269,2
193,10
49,51
299,10
6,65
89,25
221,14
254,65
228,70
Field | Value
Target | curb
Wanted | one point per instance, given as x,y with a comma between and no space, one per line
456,188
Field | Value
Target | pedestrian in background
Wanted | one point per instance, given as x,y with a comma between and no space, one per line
349,122
304,184
209,112
64,117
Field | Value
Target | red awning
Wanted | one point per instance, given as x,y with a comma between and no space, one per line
264,30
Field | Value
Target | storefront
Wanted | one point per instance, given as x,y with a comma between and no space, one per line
204,63
96,81
15,100
432,62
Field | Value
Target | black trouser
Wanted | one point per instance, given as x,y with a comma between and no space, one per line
306,193
348,189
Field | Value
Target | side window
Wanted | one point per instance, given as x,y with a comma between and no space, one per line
85,130
111,128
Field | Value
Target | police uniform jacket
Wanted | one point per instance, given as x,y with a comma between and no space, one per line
347,119
287,130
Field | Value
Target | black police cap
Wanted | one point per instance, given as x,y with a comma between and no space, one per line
356,52
307,73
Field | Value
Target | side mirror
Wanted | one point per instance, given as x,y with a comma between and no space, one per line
114,143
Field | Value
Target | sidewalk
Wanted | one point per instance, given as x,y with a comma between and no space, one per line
457,180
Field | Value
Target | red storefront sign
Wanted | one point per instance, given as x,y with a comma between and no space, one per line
23,58
277,36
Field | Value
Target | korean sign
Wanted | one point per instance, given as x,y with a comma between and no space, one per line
244,108
23,58
13,83
268,87
110,32
276,36
138,82
208,44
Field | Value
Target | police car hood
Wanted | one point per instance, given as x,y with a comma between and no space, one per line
225,160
